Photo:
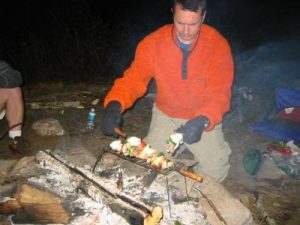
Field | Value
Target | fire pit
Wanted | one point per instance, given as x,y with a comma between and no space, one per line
112,194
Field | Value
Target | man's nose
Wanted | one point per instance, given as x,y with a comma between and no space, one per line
186,29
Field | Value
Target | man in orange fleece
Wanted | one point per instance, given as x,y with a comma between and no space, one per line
193,68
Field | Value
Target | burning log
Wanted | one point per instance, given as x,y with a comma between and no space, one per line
36,205
99,189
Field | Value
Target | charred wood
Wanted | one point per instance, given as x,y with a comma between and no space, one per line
97,188
35,205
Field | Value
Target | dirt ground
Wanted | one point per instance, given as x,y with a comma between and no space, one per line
272,196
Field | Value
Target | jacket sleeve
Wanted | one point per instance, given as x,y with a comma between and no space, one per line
134,82
218,85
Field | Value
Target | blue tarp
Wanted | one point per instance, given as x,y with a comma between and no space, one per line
287,98
282,129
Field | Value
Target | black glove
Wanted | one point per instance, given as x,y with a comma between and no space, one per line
112,118
193,129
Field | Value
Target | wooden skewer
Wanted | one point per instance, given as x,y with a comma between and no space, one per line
190,174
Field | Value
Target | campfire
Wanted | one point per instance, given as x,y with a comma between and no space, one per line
67,192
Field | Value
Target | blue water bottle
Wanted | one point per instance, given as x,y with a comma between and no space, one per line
91,119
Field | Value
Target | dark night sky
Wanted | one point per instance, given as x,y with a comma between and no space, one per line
245,24
232,17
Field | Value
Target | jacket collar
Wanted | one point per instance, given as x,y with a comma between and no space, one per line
174,37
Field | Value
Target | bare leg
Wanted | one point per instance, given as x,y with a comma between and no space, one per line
11,100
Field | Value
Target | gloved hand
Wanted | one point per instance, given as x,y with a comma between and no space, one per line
193,129
112,118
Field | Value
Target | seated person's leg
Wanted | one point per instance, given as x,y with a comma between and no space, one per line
11,100
3,100
15,111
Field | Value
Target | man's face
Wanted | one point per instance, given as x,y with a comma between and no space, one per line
187,23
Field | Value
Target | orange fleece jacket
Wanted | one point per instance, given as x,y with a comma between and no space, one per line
207,89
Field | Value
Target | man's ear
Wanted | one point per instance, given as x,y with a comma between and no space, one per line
172,10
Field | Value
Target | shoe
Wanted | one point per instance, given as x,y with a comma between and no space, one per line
16,145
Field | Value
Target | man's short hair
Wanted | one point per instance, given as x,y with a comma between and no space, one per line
9,78
191,5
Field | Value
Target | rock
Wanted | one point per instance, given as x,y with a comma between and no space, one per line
230,208
248,199
48,127
15,172
24,166
5,166
211,215
95,101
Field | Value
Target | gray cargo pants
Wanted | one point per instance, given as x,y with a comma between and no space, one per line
212,151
